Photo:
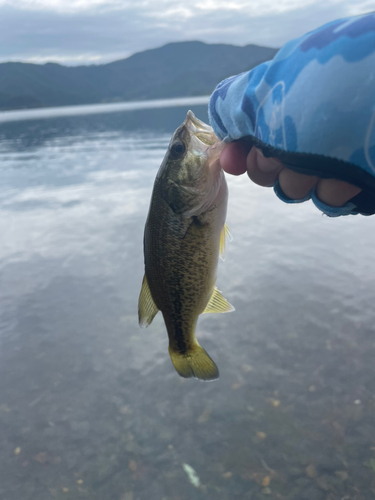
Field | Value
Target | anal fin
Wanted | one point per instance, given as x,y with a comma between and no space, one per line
218,304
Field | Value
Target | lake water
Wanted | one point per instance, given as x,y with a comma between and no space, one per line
90,405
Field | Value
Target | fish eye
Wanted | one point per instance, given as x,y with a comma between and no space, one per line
177,149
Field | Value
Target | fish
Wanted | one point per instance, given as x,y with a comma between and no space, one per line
184,236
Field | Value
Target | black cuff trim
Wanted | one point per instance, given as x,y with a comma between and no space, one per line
326,168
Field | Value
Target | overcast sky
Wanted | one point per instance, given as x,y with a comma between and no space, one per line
97,31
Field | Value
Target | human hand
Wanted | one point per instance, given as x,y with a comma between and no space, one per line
238,158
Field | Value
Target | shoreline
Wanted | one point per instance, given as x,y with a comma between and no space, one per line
89,109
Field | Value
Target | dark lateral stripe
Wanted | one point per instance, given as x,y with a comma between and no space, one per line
178,333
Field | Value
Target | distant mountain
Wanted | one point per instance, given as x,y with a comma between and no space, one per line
174,70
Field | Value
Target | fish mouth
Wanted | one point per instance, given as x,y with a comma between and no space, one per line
203,132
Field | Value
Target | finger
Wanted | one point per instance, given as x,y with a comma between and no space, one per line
296,186
233,158
261,170
335,193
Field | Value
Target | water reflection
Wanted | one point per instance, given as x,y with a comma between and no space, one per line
25,135
93,402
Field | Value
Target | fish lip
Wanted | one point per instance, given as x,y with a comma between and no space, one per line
203,132
193,122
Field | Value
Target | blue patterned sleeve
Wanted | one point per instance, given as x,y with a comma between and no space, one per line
312,106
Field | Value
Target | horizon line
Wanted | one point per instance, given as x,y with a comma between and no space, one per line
18,61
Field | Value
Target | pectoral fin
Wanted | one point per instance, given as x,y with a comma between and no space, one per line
146,305
224,236
218,304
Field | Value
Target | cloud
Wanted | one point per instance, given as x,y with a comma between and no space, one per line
66,5
97,31
255,8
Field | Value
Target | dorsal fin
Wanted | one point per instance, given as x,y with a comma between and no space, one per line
218,304
146,305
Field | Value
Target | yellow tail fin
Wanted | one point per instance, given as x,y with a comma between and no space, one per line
194,363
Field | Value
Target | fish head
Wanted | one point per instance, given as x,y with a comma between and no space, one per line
191,175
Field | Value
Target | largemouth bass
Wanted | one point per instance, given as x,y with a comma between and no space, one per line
184,234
